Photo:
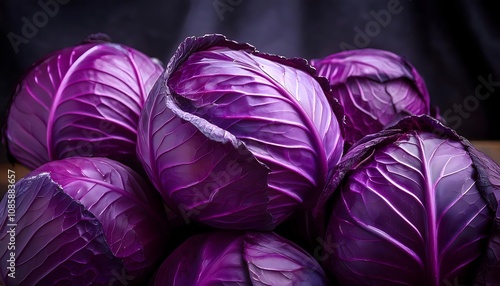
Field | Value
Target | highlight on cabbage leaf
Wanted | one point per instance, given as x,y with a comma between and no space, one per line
82,221
238,139
376,87
239,258
83,100
415,204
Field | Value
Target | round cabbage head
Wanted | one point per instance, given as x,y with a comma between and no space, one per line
237,139
415,204
81,221
83,100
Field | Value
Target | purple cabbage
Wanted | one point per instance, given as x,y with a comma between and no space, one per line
82,220
376,88
415,204
56,240
80,101
239,258
238,139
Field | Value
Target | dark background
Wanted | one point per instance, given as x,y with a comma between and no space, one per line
451,45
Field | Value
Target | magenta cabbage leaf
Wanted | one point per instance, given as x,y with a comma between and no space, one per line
376,88
83,221
130,211
80,101
238,139
54,238
239,258
413,205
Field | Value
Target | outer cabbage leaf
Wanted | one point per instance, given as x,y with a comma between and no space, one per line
415,204
273,260
205,259
80,101
272,111
488,180
376,87
218,182
239,258
130,212
57,241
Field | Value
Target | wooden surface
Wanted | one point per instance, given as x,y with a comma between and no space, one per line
490,148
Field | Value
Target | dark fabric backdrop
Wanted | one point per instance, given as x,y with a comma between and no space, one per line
455,47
